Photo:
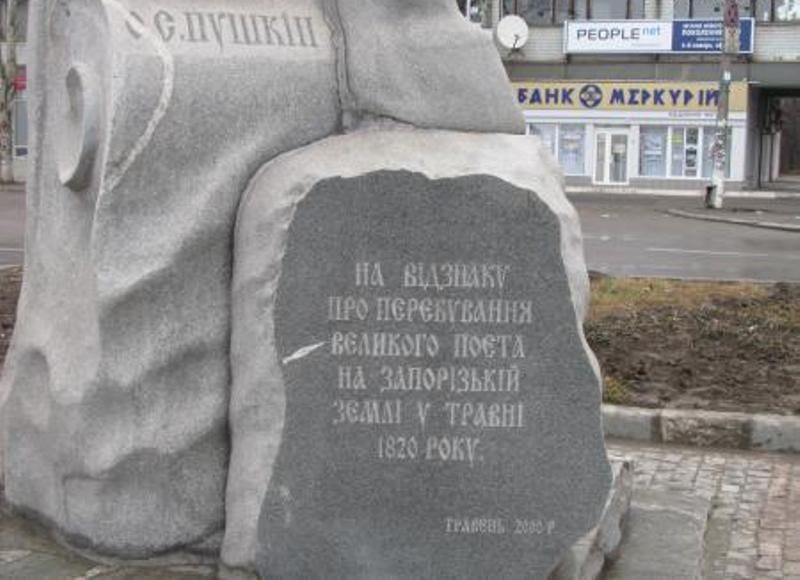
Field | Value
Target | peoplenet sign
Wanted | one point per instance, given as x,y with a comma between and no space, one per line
653,36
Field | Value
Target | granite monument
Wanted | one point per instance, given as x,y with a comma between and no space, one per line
291,301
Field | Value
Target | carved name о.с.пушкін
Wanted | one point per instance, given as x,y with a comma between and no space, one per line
229,28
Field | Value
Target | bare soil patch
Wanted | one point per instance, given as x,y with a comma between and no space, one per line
10,282
662,343
698,345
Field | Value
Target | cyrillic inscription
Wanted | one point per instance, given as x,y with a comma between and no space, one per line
498,526
229,28
396,382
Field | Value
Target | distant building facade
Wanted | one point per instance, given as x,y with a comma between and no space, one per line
20,103
625,92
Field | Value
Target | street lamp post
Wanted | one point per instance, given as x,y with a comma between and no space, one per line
730,47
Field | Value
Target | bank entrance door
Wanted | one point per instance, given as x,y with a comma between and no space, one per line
611,156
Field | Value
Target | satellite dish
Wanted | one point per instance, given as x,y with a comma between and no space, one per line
511,32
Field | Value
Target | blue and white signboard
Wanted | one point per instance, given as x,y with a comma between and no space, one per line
701,36
653,36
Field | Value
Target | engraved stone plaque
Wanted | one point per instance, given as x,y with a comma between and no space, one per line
442,412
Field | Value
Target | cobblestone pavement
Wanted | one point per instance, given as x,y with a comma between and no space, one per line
754,527
753,532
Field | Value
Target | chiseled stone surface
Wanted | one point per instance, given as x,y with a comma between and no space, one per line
117,383
440,71
588,556
149,119
376,477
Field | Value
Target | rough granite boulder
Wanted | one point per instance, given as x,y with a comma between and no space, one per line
344,464
148,120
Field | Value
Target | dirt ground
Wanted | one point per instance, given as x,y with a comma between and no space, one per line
718,346
10,282
696,345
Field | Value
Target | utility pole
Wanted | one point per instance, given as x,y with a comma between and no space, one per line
730,47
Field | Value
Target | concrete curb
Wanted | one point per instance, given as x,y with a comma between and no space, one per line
728,220
681,193
776,433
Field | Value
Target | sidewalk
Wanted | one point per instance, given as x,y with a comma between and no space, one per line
777,214
753,531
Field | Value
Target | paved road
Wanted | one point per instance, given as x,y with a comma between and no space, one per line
12,226
625,236
633,236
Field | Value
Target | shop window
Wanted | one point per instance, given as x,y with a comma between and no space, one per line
685,146
545,132
20,126
786,10
565,142
571,149
653,151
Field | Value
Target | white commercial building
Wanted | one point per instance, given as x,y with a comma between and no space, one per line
626,92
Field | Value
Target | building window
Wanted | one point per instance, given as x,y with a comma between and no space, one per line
615,9
547,133
580,9
653,151
608,9
20,126
547,12
565,10
682,9
761,10
707,9
571,149
471,9
691,152
533,11
565,142
786,10
685,145
636,9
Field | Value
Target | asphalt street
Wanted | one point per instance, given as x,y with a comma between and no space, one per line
625,235
634,236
